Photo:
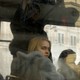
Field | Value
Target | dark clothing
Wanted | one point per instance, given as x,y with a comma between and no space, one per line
24,23
24,28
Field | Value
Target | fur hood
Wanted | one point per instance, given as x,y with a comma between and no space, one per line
34,66
67,71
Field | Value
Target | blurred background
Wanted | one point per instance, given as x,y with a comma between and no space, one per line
61,37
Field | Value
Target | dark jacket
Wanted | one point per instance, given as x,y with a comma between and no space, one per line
23,28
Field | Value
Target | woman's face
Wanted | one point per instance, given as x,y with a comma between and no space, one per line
71,58
44,48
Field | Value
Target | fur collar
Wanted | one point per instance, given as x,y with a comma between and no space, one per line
34,66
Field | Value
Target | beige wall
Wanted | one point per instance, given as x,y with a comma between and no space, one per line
5,56
78,1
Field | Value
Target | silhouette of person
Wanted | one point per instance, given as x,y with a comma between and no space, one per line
24,26
31,17
67,66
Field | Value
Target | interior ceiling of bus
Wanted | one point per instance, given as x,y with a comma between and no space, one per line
52,14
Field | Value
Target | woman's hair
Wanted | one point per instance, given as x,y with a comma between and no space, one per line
66,52
36,41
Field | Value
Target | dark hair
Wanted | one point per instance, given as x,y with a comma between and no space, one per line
66,52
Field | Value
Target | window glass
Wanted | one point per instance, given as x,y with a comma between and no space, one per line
60,19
